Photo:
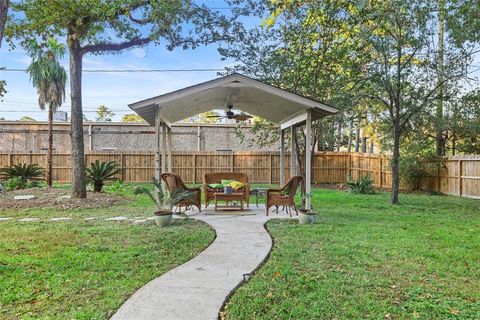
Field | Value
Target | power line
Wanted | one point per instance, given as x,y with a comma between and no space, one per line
128,70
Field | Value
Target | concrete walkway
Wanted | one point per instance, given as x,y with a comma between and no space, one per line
198,288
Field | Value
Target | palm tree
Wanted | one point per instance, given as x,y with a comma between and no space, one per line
49,77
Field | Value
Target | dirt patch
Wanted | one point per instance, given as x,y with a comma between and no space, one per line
58,198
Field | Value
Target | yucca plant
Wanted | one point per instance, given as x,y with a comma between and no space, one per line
99,172
24,172
364,185
164,200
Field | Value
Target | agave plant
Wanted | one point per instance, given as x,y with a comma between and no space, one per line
99,172
24,172
364,185
164,200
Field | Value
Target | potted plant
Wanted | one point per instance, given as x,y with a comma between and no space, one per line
164,200
306,216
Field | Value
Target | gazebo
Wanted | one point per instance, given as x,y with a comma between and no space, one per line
254,97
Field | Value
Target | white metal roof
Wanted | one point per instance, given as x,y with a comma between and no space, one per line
246,94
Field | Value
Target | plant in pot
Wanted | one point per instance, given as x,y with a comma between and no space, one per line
164,200
306,216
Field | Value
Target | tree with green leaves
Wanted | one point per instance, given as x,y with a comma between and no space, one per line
400,67
132,117
26,118
104,114
108,27
49,78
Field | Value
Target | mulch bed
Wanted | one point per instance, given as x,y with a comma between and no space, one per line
58,198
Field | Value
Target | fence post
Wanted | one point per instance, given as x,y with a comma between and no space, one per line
231,162
270,169
349,165
438,176
380,163
194,168
122,167
9,160
460,181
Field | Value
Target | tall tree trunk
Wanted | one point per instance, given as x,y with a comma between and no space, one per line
339,134
395,165
3,17
350,133
79,189
440,138
357,134
364,144
50,146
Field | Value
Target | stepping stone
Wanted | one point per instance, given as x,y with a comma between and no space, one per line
139,221
25,197
5,219
116,219
28,219
60,219
64,198
90,218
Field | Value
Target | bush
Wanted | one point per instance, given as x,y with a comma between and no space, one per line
363,185
3,190
99,172
23,174
14,183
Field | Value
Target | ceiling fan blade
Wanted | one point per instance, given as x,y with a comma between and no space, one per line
242,117
215,116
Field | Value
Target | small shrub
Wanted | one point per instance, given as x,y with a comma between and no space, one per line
3,190
23,173
363,185
14,183
117,187
99,172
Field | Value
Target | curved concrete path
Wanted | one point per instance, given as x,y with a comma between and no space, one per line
198,288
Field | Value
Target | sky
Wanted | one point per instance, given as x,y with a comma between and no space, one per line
114,90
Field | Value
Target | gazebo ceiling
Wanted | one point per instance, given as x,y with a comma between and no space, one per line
246,94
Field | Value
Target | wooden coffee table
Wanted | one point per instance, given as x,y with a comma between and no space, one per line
228,197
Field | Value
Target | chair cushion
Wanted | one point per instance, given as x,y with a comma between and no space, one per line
226,182
236,185
216,185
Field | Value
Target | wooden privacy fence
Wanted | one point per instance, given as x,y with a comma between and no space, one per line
456,175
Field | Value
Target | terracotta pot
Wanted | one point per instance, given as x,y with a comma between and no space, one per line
308,217
163,218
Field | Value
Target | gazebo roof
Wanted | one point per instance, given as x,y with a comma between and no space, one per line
244,93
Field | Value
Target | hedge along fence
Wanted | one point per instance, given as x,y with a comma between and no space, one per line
455,175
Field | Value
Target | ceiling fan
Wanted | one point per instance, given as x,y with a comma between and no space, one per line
229,114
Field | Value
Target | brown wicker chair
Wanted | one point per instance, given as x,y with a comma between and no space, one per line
174,182
217,177
284,196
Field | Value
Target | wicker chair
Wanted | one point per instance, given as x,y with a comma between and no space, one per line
217,177
284,196
174,182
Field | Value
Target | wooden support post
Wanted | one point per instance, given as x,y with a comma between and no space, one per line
10,160
164,151
157,146
169,150
308,160
282,157
231,162
293,152
460,175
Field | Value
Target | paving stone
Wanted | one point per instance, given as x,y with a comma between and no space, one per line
28,219
5,219
60,219
116,219
25,197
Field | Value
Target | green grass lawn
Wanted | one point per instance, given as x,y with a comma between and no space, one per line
85,269
365,259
